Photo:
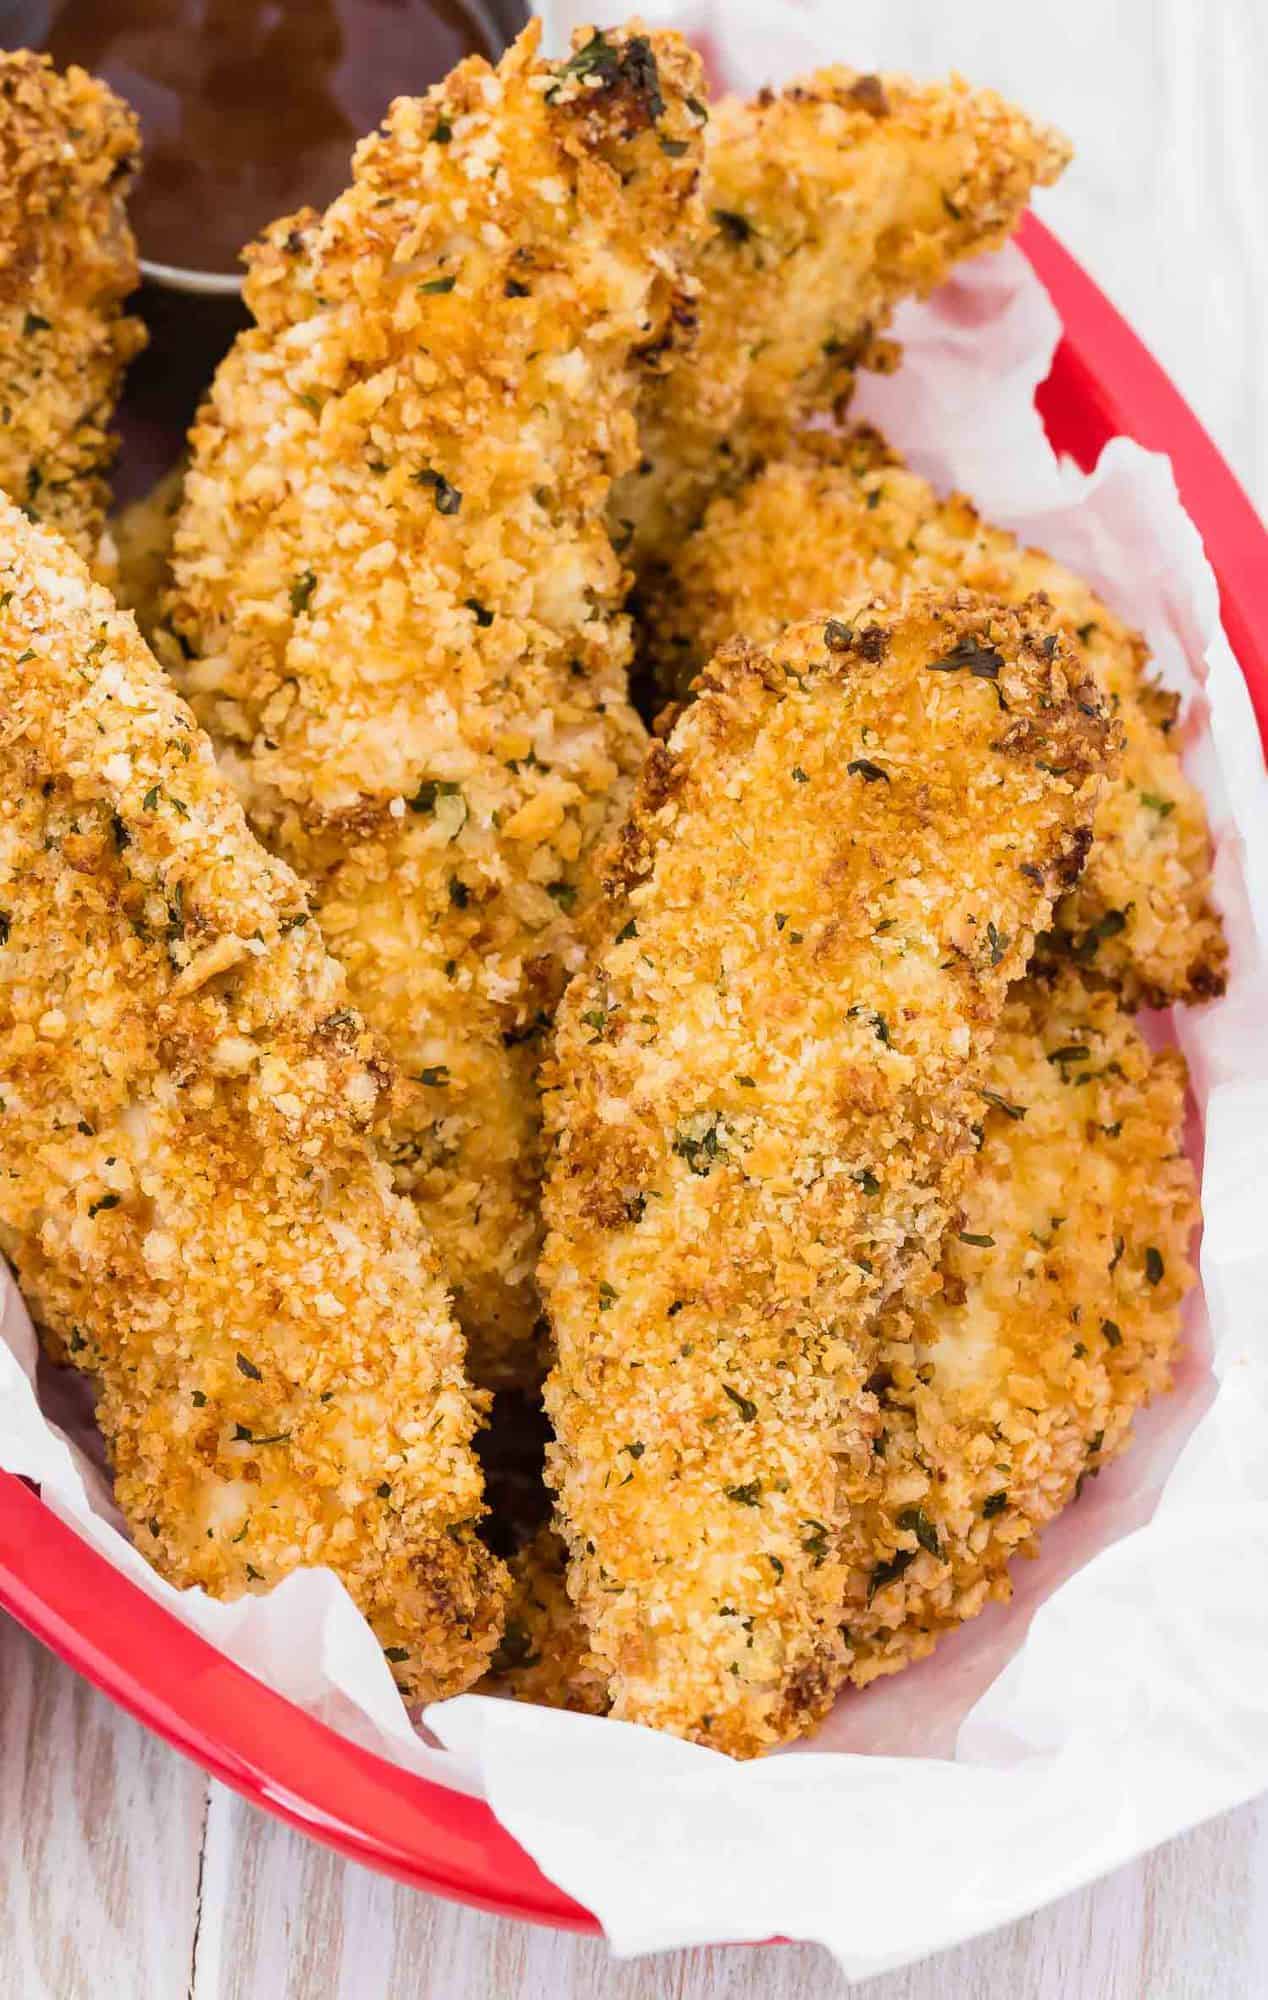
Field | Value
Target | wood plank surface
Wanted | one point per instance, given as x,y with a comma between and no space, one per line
124,1874
100,1839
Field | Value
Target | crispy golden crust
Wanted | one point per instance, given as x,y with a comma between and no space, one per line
1057,1316
760,1097
193,1208
142,534
1000,1391
545,1653
829,203
848,515
393,572
68,147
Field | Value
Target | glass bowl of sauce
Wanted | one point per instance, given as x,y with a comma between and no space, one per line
250,109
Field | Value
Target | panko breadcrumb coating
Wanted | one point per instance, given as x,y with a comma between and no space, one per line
68,149
760,1098
190,1201
829,202
545,1654
142,534
1057,1317
849,514
393,574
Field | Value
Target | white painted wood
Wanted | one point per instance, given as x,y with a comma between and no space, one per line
102,1829
100,1834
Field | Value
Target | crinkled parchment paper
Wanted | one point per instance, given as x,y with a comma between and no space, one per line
1123,1695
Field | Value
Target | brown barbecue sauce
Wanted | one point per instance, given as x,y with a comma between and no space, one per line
250,109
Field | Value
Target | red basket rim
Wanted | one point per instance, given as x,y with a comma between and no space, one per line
1104,383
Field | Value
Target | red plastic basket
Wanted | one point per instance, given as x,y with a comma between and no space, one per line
1103,384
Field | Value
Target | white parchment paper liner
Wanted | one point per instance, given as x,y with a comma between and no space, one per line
1055,1737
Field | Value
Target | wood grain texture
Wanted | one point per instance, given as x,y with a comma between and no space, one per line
100,1837
124,1875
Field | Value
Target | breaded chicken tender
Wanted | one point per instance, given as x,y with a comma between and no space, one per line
829,203
142,534
403,610
68,148
1057,1318
545,1653
761,1098
190,1201
849,514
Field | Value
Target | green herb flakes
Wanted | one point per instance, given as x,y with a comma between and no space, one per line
916,1522
889,1572
447,497
746,1407
1072,1052
431,789
1111,925
699,1152
816,1542
982,661
736,226
993,1097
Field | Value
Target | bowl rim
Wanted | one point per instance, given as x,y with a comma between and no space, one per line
187,278
1104,383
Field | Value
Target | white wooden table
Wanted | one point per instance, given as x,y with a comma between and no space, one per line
124,1874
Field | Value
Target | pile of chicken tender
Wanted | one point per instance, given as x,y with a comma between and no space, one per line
401,1026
